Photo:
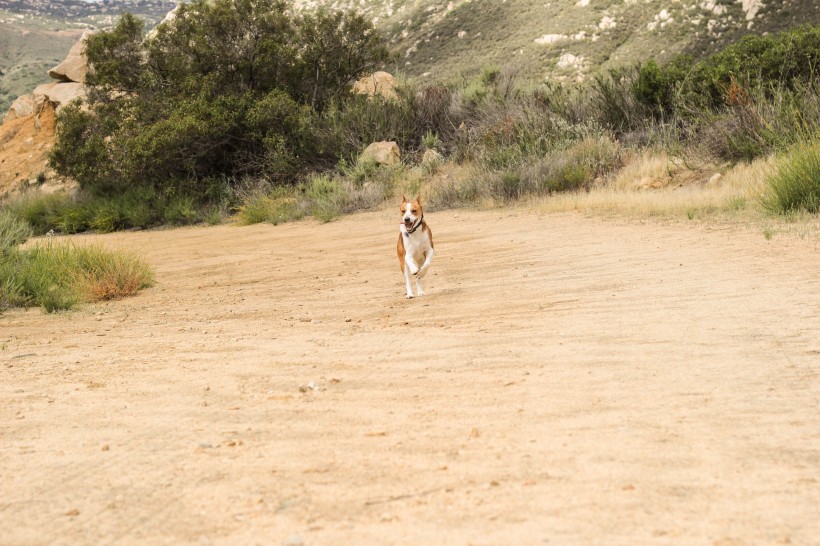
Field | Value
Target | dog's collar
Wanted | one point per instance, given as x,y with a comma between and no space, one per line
408,232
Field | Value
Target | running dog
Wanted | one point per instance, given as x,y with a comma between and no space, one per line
415,246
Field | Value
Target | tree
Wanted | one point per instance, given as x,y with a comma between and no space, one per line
227,88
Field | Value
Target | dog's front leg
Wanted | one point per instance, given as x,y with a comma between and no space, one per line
426,265
406,270
419,289
411,265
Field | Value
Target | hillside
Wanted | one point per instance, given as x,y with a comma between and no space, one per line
36,34
565,39
559,40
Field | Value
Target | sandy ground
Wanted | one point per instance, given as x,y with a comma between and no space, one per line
566,381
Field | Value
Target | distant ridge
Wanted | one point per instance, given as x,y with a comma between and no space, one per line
36,34
435,40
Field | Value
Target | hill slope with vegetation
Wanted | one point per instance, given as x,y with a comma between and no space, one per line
565,39
436,40
244,106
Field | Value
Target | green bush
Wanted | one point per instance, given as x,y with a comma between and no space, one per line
228,89
180,211
41,211
328,198
795,184
784,60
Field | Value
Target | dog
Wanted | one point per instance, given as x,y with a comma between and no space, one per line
415,246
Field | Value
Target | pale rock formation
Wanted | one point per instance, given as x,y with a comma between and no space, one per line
58,93
378,83
550,39
383,153
22,106
74,67
431,156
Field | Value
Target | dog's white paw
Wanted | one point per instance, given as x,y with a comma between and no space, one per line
409,296
414,271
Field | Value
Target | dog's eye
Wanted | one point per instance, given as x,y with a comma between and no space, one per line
413,211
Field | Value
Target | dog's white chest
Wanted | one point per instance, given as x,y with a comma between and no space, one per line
416,244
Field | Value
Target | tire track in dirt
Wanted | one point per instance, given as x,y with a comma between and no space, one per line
566,380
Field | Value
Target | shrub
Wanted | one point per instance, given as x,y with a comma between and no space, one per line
139,207
430,140
327,197
41,211
761,123
784,60
795,184
455,193
613,98
180,211
276,205
360,172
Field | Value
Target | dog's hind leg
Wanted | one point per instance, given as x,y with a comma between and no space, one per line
419,289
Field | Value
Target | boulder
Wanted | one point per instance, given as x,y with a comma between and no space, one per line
22,106
169,19
378,83
384,153
74,67
59,94
431,156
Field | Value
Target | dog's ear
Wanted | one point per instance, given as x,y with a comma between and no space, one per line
418,199
403,199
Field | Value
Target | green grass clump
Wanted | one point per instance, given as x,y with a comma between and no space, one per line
137,208
795,184
328,198
275,206
60,276
13,232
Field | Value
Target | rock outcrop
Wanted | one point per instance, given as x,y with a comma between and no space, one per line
382,153
431,156
378,83
24,146
58,94
27,132
22,106
69,85
74,67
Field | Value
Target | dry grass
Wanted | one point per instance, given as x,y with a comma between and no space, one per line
648,170
652,186
60,276
631,192
112,275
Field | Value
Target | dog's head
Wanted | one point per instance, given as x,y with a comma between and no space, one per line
411,211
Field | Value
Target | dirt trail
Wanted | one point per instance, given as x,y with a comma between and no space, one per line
566,381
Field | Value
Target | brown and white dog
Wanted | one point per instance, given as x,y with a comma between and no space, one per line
415,246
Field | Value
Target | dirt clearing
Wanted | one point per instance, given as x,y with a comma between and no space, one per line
566,381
